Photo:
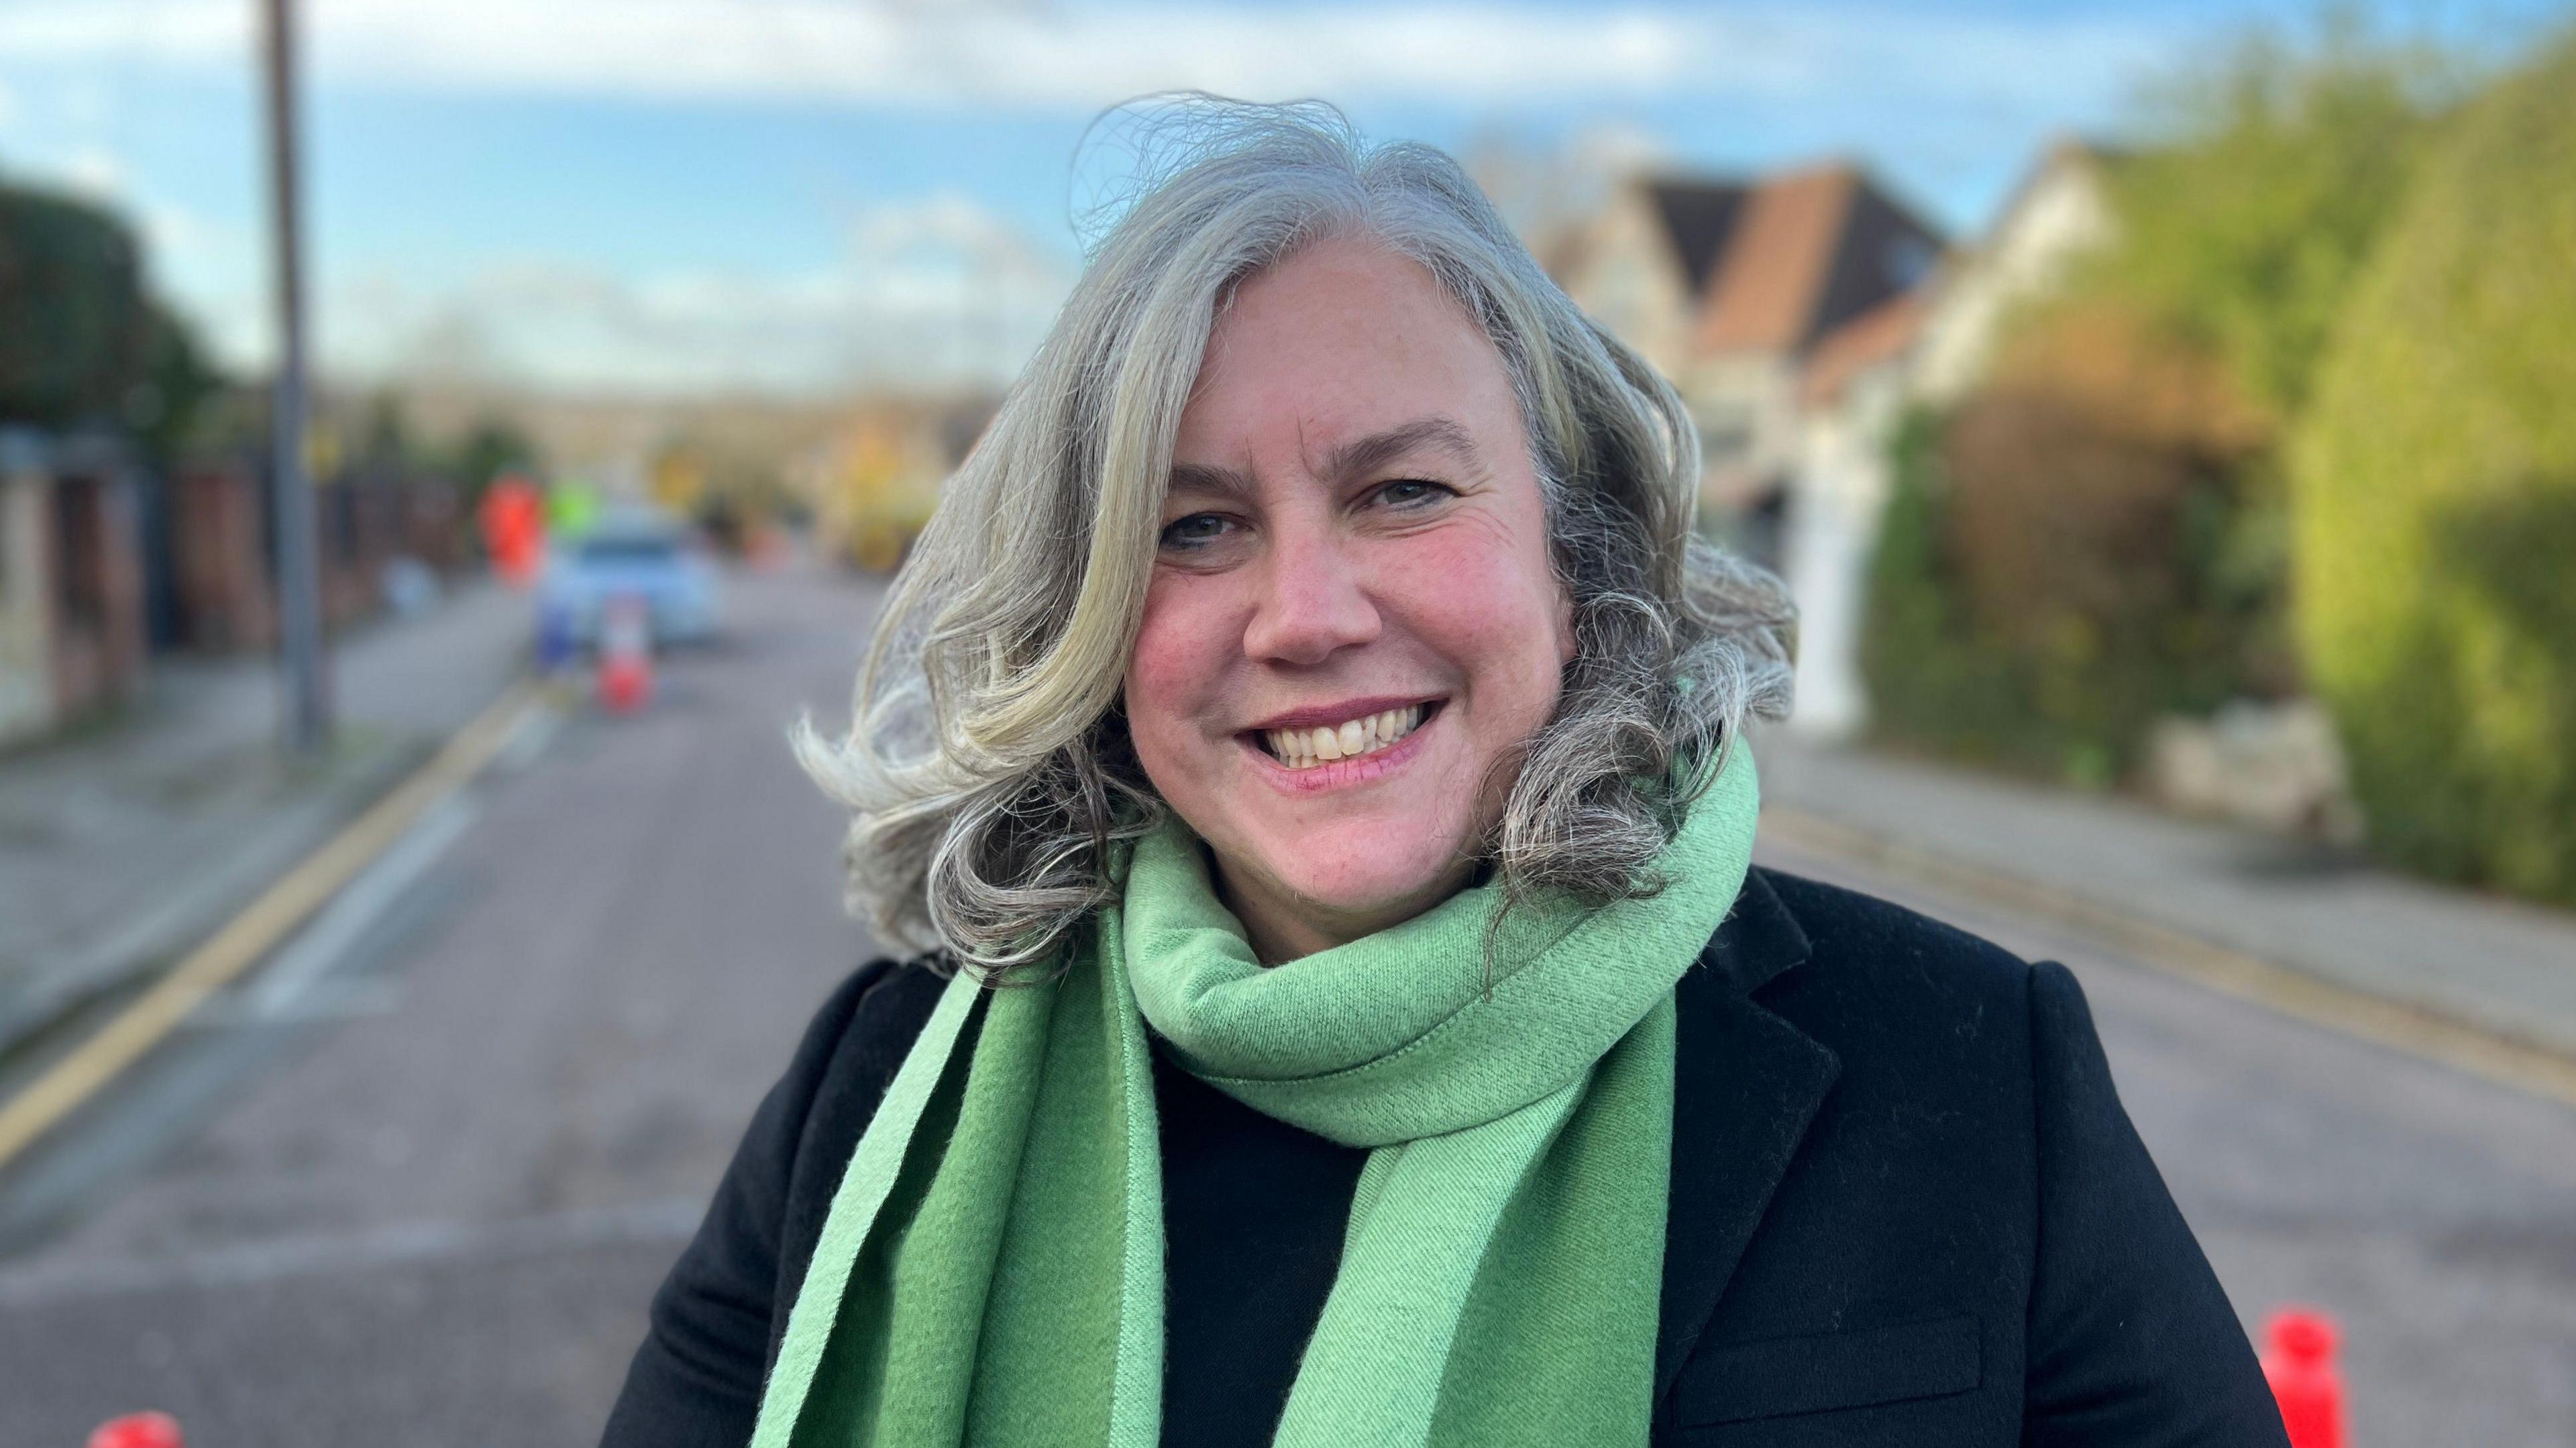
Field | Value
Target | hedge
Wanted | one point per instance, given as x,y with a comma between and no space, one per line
2434,504
2052,577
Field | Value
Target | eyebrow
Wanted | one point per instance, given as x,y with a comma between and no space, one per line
1231,484
1366,454
1359,455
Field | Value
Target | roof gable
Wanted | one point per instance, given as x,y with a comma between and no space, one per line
1774,265
1699,220
1814,249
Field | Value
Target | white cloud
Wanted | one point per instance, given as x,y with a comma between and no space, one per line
178,236
86,169
95,172
981,52
928,292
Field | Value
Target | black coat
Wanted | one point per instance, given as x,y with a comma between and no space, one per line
1907,1209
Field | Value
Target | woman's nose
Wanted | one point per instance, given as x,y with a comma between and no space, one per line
1312,601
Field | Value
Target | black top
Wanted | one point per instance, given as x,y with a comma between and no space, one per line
1906,1208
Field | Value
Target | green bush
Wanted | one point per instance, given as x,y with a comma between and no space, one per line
2048,584
2434,504
1934,684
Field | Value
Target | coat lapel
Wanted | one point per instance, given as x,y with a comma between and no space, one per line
1746,1084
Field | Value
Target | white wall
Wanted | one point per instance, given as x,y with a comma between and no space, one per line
1832,531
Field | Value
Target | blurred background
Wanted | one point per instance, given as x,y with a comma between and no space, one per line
2165,413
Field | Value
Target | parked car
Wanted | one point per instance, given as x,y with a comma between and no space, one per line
648,558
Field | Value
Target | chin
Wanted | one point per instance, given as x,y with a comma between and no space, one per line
1385,878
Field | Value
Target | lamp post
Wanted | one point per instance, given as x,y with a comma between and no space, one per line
306,685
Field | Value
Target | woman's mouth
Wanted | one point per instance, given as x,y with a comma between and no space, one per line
1358,738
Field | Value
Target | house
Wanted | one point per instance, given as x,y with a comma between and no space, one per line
1779,307
2059,212
72,636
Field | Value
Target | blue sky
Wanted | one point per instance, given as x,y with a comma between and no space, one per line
808,195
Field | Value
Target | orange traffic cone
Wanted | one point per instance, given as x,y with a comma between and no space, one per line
2298,1361
626,657
138,1430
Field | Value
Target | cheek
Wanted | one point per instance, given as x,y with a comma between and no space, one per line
1179,660
1495,612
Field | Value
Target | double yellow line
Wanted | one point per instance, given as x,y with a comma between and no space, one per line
249,936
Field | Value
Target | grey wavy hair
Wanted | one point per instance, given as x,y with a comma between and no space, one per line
988,766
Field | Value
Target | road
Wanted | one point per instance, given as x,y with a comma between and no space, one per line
415,1184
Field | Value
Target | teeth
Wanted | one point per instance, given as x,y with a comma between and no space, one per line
1306,748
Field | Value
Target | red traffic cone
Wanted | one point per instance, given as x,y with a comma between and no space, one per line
2298,1361
138,1430
626,657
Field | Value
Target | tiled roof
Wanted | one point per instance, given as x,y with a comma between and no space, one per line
1765,293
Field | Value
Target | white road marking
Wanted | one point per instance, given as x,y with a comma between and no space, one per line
537,730
322,945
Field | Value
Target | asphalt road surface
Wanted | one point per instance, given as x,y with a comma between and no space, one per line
415,1183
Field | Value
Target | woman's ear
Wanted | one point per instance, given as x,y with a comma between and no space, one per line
1564,627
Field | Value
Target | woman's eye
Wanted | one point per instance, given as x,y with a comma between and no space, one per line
1412,492
1194,530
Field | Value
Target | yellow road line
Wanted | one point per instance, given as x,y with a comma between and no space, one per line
249,936
2415,1030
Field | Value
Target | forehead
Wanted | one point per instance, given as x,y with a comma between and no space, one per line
1342,338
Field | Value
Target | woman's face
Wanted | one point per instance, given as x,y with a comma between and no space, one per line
1352,613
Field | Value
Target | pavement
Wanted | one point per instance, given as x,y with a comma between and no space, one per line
2497,966
125,843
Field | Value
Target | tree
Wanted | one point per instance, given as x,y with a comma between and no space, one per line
82,342
493,445
2278,168
75,328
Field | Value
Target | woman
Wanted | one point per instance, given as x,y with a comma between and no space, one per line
1312,731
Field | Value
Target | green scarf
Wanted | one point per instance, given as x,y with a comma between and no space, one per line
991,1271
